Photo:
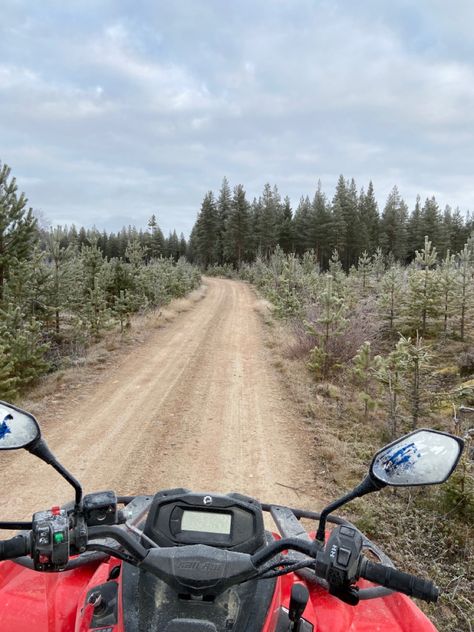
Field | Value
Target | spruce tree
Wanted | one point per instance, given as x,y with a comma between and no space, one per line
415,232
302,224
157,241
431,220
224,201
393,238
268,221
320,227
207,232
286,236
237,235
369,218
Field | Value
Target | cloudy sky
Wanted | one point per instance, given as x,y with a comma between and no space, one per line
113,110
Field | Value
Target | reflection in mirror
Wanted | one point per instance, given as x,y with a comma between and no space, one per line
18,429
424,457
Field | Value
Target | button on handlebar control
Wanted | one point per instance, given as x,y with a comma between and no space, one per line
343,556
56,511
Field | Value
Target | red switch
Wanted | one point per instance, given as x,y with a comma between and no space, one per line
55,510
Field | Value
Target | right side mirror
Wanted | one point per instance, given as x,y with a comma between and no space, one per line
423,457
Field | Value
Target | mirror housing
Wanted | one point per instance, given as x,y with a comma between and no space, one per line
423,457
18,429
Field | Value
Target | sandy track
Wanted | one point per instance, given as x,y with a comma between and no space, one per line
199,405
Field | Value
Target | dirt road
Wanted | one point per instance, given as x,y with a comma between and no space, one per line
199,405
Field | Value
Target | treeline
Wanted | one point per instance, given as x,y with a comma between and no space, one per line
62,288
114,245
231,230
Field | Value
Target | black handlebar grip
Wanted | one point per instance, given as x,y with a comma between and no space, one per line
397,580
15,547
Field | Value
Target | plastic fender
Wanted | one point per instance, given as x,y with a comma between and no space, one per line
43,602
84,611
396,613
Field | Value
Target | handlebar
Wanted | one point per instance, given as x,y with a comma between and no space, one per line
235,567
14,547
405,583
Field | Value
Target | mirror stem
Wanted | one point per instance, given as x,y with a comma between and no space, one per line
41,450
367,486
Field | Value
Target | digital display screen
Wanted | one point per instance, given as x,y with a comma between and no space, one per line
206,521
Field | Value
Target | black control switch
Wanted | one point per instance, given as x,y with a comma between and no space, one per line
298,600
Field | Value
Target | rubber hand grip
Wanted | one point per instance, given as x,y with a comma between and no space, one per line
397,580
15,547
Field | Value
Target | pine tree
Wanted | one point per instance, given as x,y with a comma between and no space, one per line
8,382
378,264
364,367
447,282
17,226
364,268
391,296
23,345
329,325
463,287
59,257
389,372
417,358
424,294
337,273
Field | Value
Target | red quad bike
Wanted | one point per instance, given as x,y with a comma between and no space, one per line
181,561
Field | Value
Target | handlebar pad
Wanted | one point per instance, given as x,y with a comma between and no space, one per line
397,580
15,547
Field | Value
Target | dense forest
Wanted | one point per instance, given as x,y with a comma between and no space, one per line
61,288
231,230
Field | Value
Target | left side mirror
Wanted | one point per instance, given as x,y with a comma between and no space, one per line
18,429
423,457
